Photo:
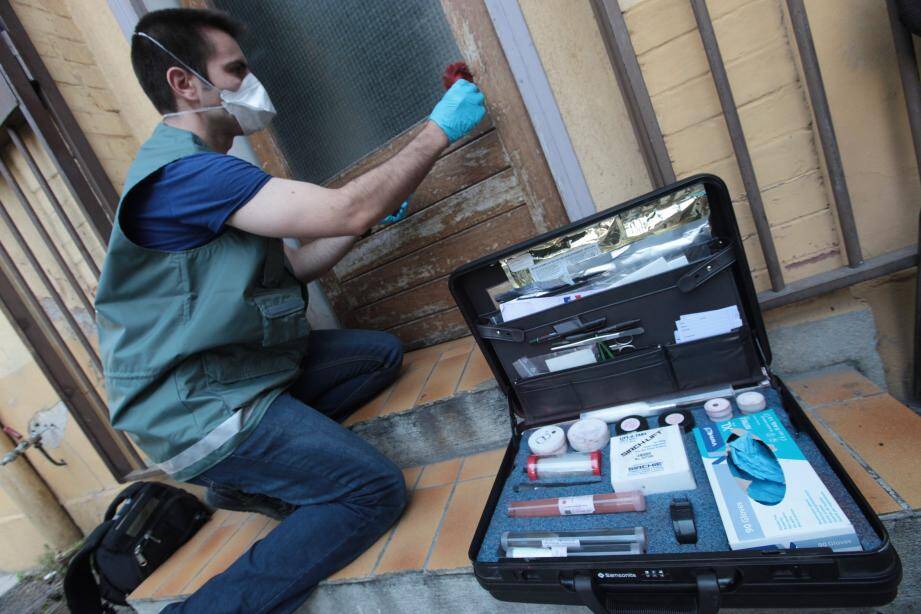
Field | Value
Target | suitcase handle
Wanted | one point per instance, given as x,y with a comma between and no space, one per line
707,600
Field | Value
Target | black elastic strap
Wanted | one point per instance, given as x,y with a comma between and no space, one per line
711,267
682,514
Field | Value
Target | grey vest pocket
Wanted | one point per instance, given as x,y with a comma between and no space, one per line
237,363
284,315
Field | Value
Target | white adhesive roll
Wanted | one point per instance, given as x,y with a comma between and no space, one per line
717,407
547,441
751,402
588,435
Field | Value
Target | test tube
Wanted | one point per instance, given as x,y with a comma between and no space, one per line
573,539
563,466
608,503
521,552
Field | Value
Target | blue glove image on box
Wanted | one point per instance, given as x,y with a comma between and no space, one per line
750,459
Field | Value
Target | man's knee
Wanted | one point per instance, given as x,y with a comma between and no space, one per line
389,497
394,351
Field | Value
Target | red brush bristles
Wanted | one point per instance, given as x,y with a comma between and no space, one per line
455,71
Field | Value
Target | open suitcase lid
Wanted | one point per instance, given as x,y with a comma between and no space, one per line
698,206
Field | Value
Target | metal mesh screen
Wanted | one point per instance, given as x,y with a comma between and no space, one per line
345,75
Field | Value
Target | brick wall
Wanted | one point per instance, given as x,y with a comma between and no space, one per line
70,60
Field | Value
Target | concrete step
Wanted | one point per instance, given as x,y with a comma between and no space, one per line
421,565
445,404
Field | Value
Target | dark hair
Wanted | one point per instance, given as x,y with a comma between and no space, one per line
180,31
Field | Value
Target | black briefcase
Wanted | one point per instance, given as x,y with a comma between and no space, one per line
647,268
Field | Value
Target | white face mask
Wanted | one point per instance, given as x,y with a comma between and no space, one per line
250,104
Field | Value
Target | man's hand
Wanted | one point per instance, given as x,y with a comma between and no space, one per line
459,110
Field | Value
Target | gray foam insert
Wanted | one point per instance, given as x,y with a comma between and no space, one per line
656,519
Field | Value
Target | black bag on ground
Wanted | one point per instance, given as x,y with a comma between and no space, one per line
143,526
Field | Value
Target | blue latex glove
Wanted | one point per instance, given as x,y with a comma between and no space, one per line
459,110
399,215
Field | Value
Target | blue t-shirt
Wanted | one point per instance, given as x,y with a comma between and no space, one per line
187,202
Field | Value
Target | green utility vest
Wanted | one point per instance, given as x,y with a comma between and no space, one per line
195,344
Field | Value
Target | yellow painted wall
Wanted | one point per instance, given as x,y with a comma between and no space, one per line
855,49
573,55
774,112
854,45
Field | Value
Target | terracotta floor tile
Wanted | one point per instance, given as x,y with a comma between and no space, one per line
363,566
459,523
411,476
266,530
875,494
413,536
482,465
476,373
194,562
885,434
431,353
371,409
407,389
833,386
232,550
437,474
179,558
444,379
458,347
235,519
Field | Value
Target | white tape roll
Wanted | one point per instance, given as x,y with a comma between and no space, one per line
547,441
751,402
717,407
588,435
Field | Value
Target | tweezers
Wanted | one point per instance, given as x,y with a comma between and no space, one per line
630,332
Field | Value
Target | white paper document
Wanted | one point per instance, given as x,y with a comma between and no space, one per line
693,326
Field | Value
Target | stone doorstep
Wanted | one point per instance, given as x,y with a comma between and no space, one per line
851,413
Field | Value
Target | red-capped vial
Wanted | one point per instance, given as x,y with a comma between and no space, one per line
563,466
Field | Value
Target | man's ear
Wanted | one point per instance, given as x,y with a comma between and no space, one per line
182,84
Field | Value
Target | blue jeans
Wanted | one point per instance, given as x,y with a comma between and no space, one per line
347,494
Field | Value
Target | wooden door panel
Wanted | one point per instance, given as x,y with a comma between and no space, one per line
455,171
433,329
399,309
487,191
441,258
467,208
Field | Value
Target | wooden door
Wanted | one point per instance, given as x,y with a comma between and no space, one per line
488,191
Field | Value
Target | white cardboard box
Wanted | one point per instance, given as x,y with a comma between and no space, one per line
653,461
